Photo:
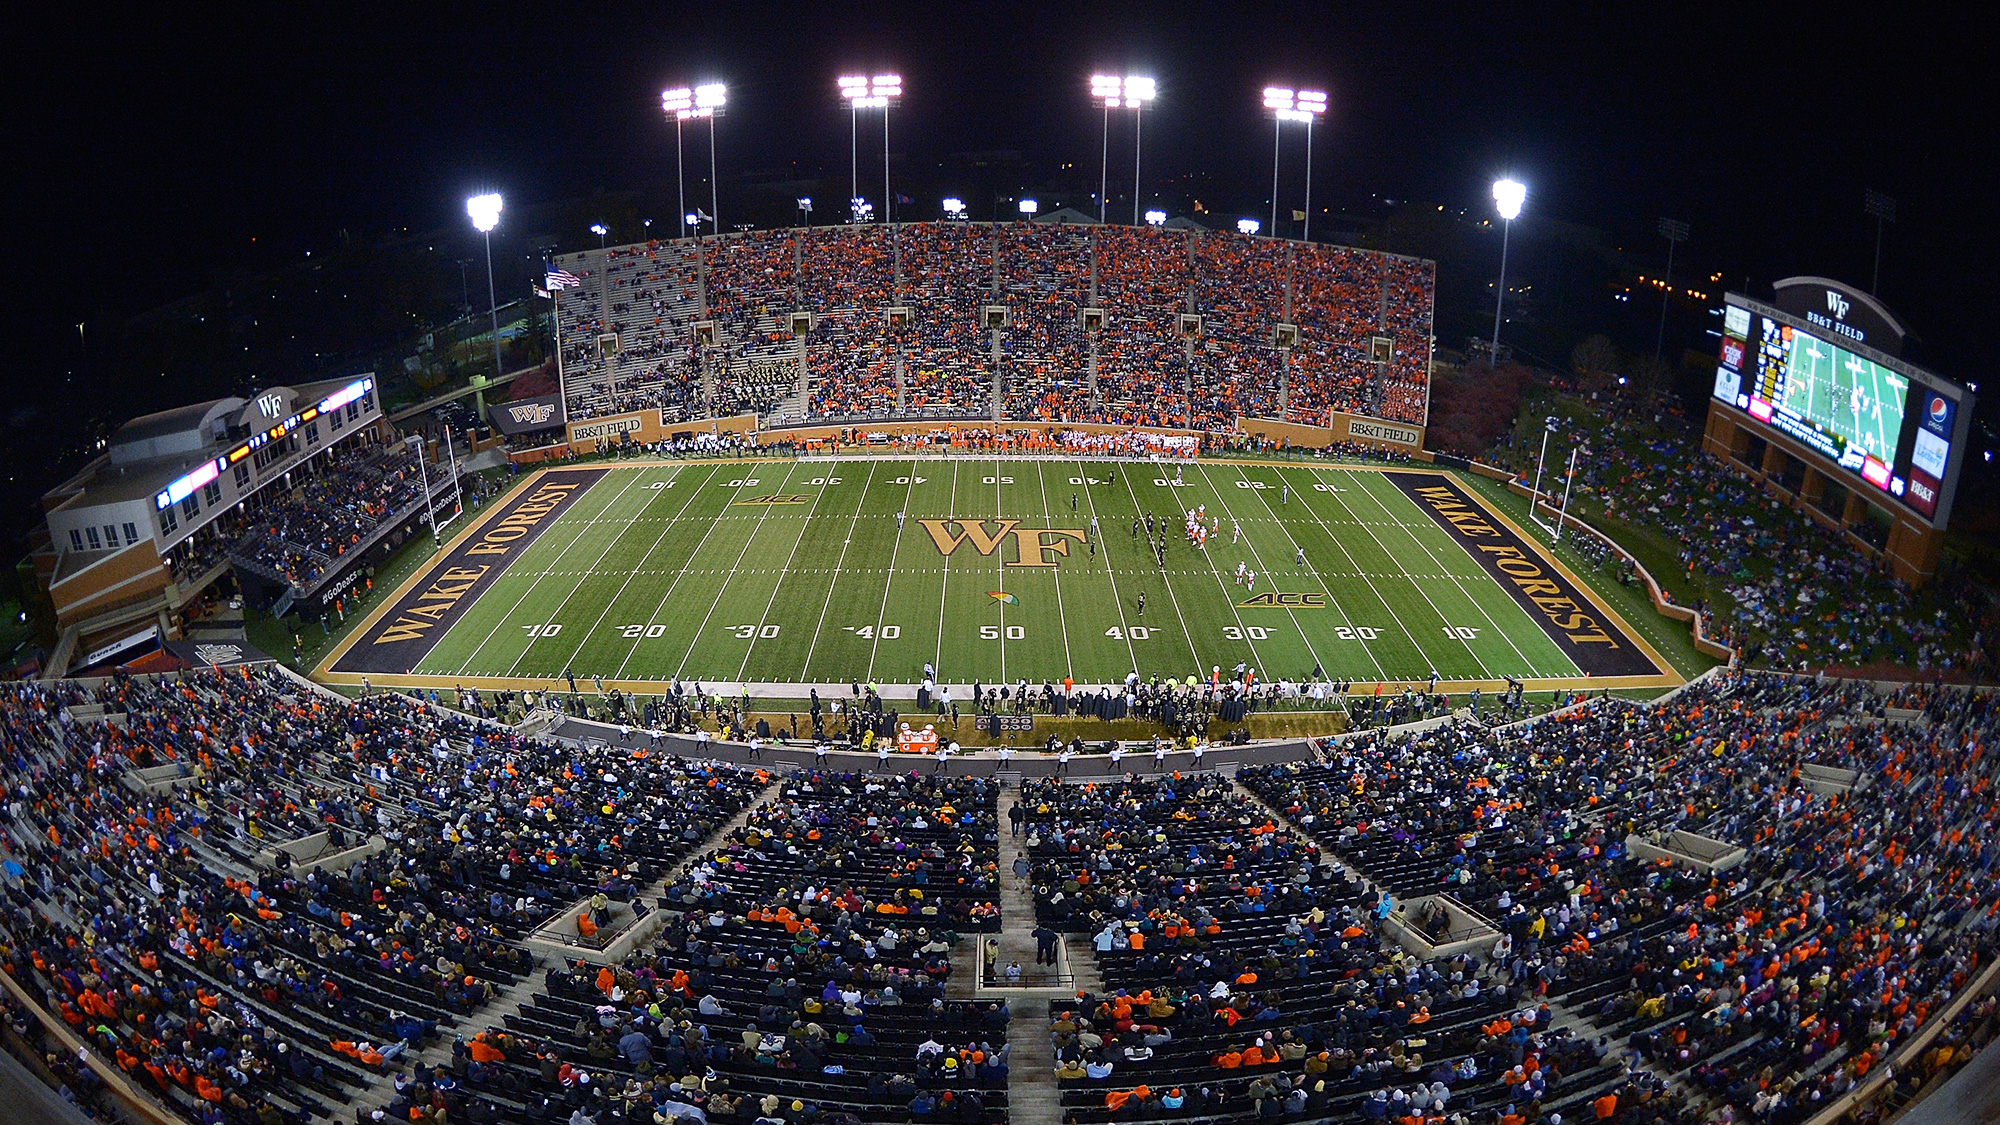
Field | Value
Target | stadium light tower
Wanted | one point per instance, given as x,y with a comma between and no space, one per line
880,91
1120,92
600,230
681,103
1287,104
1675,232
954,209
1249,226
485,213
1156,218
1029,207
1508,195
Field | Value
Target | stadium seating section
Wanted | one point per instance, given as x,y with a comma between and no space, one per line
705,328
808,961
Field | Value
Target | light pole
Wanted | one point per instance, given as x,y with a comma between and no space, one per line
648,224
869,92
1675,232
485,213
1884,210
806,210
954,209
681,103
1508,196
1287,104
600,230
1156,218
1249,226
1121,92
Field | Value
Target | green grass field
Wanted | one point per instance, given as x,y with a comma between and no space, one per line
782,572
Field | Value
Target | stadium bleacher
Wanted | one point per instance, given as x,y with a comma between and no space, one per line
857,366
1242,961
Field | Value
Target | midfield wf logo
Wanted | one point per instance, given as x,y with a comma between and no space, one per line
1277,600
774,498
1031,544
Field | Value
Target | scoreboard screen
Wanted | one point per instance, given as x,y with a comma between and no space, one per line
1878,421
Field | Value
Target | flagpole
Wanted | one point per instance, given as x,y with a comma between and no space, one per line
562,388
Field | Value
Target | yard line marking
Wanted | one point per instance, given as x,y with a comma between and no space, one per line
578,538
1442,620
1172,595
1527,664
724,588
590,571
1254,553
1381,673
849,541
1104,543
895,547
665,528
944,583
779,584
1042,481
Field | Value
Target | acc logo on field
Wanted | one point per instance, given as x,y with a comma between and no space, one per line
774,498
1277,600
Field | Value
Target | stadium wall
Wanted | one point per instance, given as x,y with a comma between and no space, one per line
1340,427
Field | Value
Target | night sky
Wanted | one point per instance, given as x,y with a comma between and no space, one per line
150,150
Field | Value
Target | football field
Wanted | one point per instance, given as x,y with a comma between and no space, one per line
830,571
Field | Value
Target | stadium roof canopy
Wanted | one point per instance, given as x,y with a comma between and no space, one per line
1064,216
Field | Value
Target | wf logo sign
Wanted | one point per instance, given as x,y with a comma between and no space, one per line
1837,305
1032,545
270,404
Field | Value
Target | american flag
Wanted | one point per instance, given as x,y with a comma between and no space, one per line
559,278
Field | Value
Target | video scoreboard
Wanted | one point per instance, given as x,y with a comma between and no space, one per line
1871,417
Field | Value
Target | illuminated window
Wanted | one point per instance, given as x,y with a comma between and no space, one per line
167,520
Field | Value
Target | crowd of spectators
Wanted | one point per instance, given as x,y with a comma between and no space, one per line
300,534
159,923
939,361
1789,593
1771,987
805,978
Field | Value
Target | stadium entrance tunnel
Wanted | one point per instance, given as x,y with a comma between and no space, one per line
1687,849
612,930
1439,926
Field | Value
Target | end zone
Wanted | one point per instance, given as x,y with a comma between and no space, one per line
395,637
1569,612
